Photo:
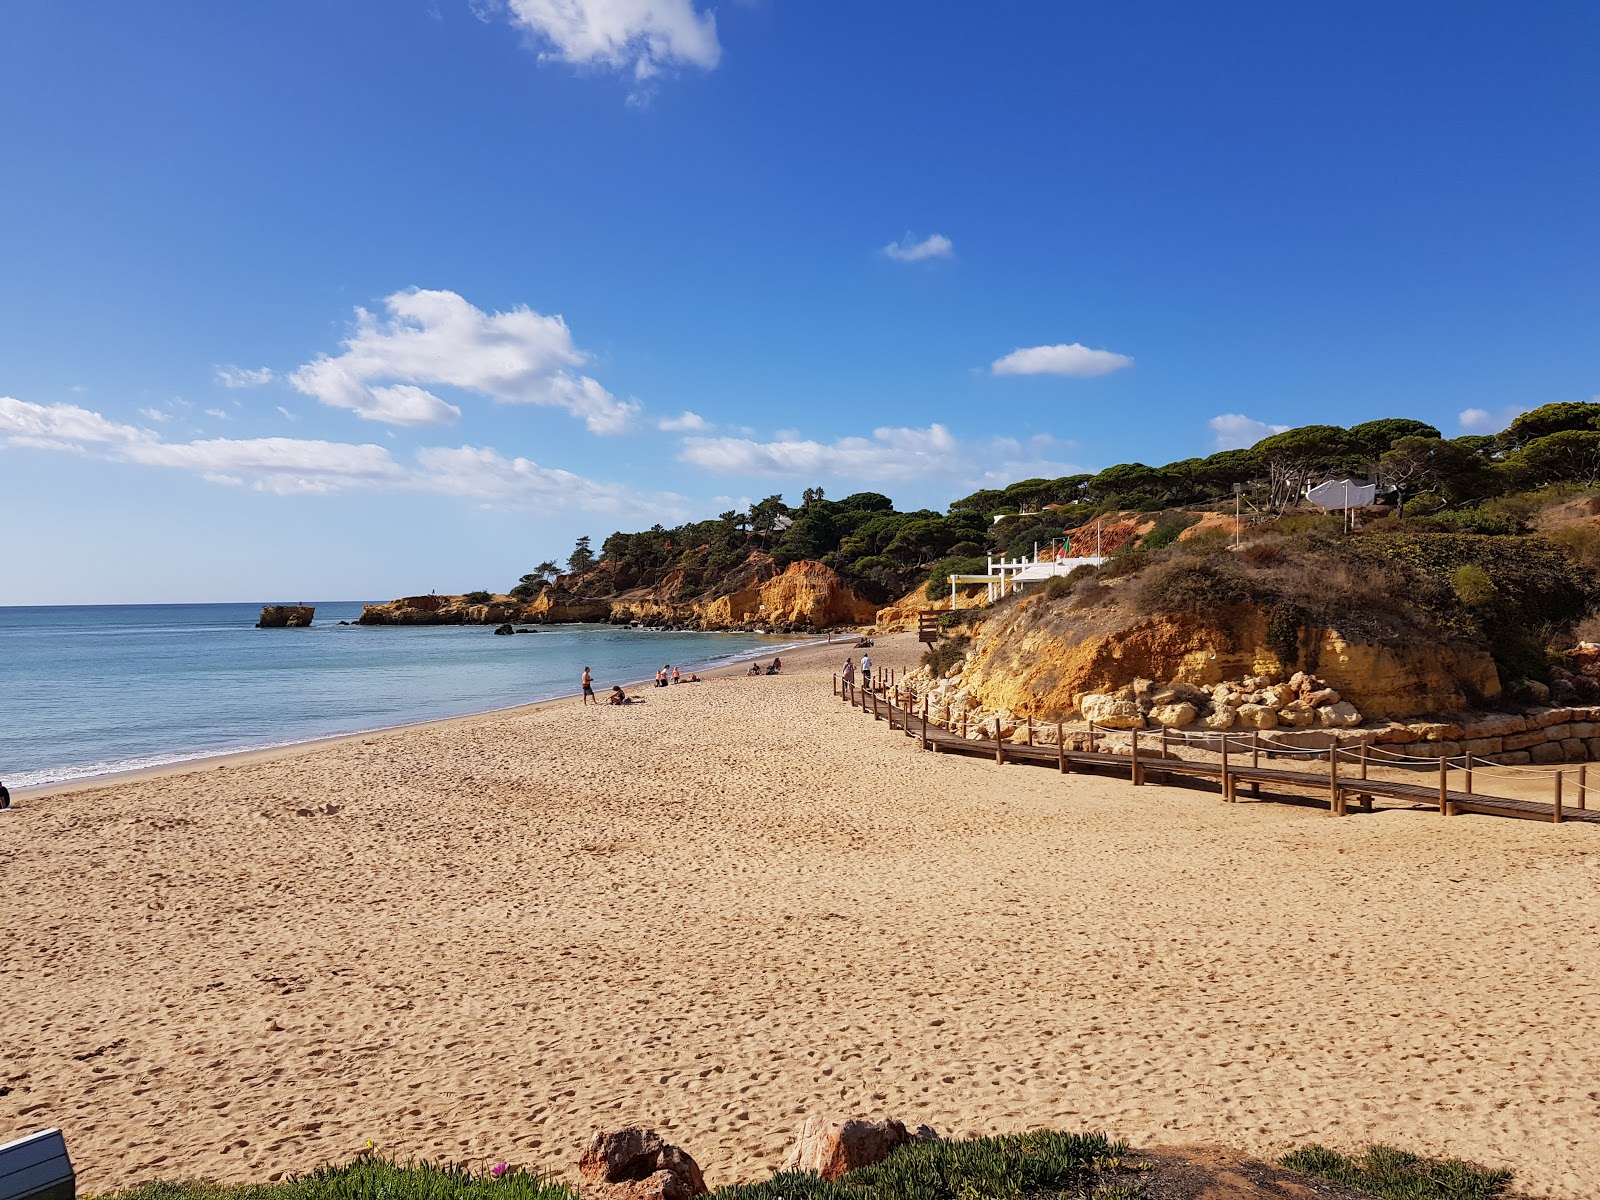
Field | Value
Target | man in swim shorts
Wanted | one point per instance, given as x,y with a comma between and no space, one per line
588,688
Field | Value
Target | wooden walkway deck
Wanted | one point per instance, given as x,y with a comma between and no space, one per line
1343,776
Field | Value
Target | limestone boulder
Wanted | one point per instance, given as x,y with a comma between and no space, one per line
1297,714
636,1164
1321,697
1174,715
1257,716
1113,712
1221,716
1277,697
1339,715
829,1146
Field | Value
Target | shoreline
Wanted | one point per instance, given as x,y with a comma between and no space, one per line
215,760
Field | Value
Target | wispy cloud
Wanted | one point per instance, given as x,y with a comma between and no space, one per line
155,414
433,338
909,249
243,377
891,454
643,37
1066,359
1481,420
303,466
1235,431
687,422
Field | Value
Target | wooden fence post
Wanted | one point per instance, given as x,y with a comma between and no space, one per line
963,725
835,685
1556,816
999,746
1468,785
1133,767
1061,750
924,722
1227,783
1444,784
1255,761
1583,786
1091,737
1334,808
1363,758
1030,729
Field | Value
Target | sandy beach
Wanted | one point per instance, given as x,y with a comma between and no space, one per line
742,901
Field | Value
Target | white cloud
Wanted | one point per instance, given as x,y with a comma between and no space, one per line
645,36
689,422
155,414
286,414
299,466
1481,420
486,474
218,413
891,454
1068,359
436,337
1235,431
935,245
243,377
65,423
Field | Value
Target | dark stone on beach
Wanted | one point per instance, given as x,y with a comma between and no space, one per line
635,1164
503,629
524,629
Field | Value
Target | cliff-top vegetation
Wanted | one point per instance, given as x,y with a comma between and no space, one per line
1492,486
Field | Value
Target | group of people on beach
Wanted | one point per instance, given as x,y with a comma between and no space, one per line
664,677
775,669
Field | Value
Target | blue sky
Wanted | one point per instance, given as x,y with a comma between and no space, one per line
312,300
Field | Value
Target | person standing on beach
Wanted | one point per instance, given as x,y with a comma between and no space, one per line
849,671
588,688
866,670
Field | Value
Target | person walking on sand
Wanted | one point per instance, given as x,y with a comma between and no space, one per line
588,688
866,671
849,671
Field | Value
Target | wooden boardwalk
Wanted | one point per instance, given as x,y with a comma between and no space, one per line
1342,775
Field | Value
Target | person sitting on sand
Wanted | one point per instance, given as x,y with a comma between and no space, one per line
693,678
676,678
5,796
777,664
617,696
755,669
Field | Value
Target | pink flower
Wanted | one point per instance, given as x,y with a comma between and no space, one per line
497,1170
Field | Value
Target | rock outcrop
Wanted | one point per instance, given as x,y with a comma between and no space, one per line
830,1146
803,596
1023,660
286,616
636,1164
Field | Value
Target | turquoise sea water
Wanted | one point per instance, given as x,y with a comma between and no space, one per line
90,690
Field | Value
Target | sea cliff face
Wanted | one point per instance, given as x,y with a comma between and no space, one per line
805,595
1021,661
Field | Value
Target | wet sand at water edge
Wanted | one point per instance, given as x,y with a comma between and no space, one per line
743,901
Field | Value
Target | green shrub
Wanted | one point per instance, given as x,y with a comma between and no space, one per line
941,656
369,1179
1399,1175
479,597
1014,1167
1188,586
1482,519
1167,530
1472,585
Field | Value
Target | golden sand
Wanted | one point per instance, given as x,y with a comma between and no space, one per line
743,901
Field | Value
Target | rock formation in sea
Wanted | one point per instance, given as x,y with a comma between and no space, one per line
285,616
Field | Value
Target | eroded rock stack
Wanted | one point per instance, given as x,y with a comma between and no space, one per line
286,616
